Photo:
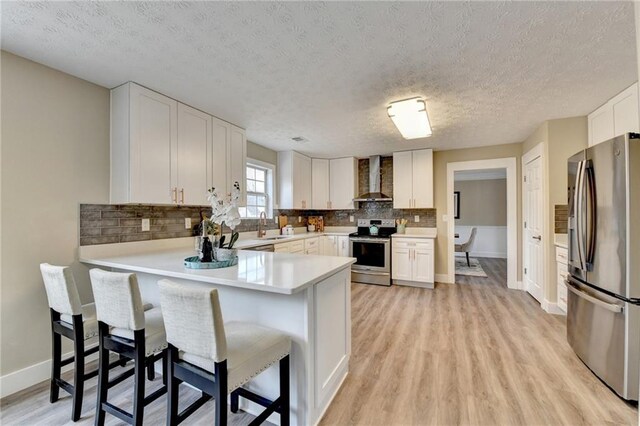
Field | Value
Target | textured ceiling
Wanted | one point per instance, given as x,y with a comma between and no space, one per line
490,71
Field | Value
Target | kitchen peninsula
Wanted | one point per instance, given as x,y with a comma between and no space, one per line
306,296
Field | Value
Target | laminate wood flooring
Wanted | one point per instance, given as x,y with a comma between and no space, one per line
472,353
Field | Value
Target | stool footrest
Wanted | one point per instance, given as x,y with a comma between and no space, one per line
155,395
247,394
193,407
272,408
66,386
118,412
121,378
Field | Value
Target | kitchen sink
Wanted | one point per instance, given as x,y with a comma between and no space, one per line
278,237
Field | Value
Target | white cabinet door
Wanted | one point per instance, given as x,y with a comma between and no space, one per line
329,245
221,131
422,179
600,124
194,140
237,162
422,265
154,136
301,181
320,184
344,182
402,180
282,248
625,111
343,246
401,263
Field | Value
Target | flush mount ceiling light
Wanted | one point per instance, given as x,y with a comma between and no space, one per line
410,117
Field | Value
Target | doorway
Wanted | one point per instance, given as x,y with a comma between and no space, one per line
510,166
533,222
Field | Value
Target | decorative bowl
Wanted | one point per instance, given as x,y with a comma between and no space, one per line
224,254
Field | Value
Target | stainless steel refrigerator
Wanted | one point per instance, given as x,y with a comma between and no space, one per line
603,312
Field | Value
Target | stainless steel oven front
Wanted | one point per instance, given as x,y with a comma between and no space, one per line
373,260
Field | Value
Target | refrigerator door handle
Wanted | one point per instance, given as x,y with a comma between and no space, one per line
579,213
612,307
591,212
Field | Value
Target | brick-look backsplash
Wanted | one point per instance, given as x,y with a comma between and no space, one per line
561,214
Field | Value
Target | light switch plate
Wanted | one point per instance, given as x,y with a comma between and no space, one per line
145,225
416,218
187,223
352,219
299,219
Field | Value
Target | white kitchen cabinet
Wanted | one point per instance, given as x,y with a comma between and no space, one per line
165,152
343,245
312,245
320,198
144,139
413,179
294,175
562,272
343,174
282,248
194,141
329,245
618,116
413,262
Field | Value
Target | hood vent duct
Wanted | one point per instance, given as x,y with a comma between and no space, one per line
374,193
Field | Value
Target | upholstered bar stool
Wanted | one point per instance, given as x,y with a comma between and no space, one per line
124,327
77,322
218,358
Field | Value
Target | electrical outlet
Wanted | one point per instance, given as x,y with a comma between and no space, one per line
352,219
187,223
416,218
145,225
299,219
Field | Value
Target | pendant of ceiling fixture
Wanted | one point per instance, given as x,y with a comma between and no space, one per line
410,117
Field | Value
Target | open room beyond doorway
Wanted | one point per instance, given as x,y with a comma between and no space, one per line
493,238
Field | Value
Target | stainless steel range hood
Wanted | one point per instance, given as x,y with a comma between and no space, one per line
374,193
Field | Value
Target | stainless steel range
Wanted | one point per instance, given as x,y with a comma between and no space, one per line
371,246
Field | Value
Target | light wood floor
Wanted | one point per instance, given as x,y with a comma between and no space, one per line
470,353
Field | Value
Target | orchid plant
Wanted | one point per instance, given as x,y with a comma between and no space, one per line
224,211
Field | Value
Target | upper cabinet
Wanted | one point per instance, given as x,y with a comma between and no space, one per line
320,194
165,152
618,116
294,176
343,183
413,179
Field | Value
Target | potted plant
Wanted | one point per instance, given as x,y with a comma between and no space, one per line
224,211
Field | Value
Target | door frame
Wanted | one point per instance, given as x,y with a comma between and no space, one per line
510,164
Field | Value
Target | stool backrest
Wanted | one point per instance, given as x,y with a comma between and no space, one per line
117,298
62,292
193,320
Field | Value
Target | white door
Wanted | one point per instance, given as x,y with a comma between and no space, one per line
219,158
320,184
401,261
402,180
533,230
343,176
422,179
238,162
154,137
422,267
194,138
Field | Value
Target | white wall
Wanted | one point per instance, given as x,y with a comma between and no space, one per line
491,241
55,155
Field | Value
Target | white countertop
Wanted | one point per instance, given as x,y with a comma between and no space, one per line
263,271
251,241
431,233
561,240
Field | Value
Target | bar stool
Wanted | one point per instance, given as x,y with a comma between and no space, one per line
126,329
201,344
77,322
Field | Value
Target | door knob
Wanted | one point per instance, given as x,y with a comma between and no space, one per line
539,238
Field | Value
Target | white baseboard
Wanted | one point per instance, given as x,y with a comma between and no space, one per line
442,278
32,375
491,254
551,308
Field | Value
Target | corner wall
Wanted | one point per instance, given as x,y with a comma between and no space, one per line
55,155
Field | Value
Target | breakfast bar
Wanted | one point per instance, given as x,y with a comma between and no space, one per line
305,296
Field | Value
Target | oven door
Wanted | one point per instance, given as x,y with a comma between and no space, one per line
370,254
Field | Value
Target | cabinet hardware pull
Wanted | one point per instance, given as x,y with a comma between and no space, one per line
174,196
182,195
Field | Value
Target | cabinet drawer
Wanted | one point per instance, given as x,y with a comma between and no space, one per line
562,269
561,255
562,296
281,248
296,246
310,243
413,243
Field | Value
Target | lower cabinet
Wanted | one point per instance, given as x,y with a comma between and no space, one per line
412,262
562,271
290,247
326,245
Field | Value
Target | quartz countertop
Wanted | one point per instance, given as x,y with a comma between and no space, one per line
561,240
430,233
274,238
282,273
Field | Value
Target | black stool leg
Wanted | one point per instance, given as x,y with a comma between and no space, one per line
78,375
468,263
103,374
221,393
151,372
56,365
165,366
138,393
235,401
284,392
173,385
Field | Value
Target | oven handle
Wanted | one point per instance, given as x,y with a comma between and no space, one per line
365,272
369,240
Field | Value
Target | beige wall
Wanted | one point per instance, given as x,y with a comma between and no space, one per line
259,152
55,155
440,160
561,139
482,202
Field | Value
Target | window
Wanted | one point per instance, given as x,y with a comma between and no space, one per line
259,190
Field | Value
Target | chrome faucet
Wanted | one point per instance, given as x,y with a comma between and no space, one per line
262,221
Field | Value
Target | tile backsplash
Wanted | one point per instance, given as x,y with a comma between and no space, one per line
561,216
120,223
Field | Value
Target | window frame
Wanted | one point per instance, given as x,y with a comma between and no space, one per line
270,188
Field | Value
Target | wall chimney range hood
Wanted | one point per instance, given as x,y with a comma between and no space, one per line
374,193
